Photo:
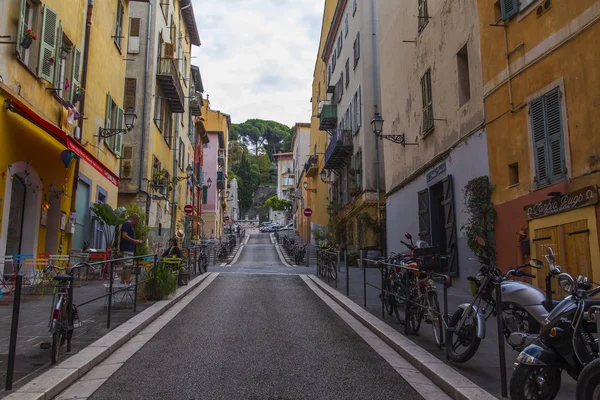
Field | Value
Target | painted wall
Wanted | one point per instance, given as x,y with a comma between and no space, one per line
285,161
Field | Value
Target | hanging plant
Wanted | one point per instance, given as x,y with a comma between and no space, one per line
78,94
50,61
65,50
28,38
479,207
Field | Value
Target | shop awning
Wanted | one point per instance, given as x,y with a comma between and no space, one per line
70,142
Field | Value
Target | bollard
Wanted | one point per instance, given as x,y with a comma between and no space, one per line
110,293
347,272
195,261
14,328
135,290
382,294
362,265
70,317
501,340
339,268
308,255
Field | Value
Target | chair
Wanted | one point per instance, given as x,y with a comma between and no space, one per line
19,261
59,260
42,278
100,256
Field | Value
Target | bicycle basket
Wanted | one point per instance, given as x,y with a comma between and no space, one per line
428,259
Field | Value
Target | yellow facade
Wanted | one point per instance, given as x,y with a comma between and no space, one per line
552,49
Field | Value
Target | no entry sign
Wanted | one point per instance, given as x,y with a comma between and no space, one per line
227,218
289,218
308,212
188,209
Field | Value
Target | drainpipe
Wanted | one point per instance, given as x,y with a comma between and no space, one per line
145,115
376,108
507,54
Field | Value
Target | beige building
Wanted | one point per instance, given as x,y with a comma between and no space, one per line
432,104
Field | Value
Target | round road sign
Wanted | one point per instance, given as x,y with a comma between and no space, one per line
289,218
188,209
227,218
308,212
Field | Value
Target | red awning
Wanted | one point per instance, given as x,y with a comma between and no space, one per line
65,139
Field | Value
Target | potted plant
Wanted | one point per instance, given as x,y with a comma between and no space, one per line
351,171
79,93
28,38
65,50
50,61
354,190
352,258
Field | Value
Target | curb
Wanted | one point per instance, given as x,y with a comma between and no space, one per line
52,382
450,381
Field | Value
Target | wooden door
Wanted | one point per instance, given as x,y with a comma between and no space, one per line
578,260
542,240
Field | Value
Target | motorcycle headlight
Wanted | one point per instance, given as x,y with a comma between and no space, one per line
566,282
527,359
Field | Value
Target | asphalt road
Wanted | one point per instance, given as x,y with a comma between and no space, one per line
256,337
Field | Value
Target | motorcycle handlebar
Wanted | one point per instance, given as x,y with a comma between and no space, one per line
407,245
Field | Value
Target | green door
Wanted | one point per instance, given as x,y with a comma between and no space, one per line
82,207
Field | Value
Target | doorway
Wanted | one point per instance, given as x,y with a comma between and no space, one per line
52,226
82,208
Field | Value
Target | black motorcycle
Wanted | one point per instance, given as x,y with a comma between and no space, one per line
566,342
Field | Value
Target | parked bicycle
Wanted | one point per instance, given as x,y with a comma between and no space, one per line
327,262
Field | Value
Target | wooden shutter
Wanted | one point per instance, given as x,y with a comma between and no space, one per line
119,24
130,88
358,108
450,226
76,71
47,44
119,137
58,62
352,119
133,45
538,128
204,194
424,226
509,8
555,139
108,116
168,51
21,28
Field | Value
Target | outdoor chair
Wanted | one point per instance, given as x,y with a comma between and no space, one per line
6,284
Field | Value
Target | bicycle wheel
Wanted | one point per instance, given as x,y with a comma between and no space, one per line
414,313
436,320
332,270
387,297
400,302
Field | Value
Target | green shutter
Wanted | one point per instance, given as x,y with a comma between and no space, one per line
555,140
47,44
509,8
119,137
108,116
21,28
58,61
76,73
538,128
204,194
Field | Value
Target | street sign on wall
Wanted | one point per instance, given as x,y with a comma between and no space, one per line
188,209
308,212
289,218
227,218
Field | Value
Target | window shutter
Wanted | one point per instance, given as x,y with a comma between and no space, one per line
58,62
555,141
352,115
539,141
21,28
133,45
76,70
119,137
357,46
359,107
47,44
509,8
119,24
424,229
108,115
130,87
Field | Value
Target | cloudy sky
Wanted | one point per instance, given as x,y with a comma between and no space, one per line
257,56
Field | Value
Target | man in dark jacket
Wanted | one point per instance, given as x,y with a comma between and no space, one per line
127,243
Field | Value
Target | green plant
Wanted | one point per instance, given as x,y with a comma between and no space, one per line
162,284
108,219
141,229
335,226
352,258
66,48
479,207
320,235
365,222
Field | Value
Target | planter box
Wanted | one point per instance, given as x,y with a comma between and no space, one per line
183,278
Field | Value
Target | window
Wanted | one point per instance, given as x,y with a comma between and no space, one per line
163,117
427,102
347,71
357,109
114,120
130,86
181,160
66,67
423,15
346,26
333,60
513,174
47,42
133,45
356,49
352,119
328,74
158,111
354,7
546,126
509,8
29,12
119,24
339,52
464,84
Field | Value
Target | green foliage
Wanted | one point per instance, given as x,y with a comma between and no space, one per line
248,180
268,174
364,223
352,258
263,134
479,207
141,229
277,204
163,284
320,235
335,225
108,219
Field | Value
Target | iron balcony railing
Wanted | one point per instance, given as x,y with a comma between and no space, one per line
168,79
340,147
328,117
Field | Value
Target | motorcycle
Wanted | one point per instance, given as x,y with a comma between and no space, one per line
566,342
524,308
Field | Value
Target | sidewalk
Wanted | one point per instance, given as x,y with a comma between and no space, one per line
483,369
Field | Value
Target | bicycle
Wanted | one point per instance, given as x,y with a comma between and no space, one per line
64,317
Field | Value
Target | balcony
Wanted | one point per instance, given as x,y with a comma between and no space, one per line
195,105
221,157
328,117
168,79
220,180
311,167
339,149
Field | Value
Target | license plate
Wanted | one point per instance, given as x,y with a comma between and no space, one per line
473,288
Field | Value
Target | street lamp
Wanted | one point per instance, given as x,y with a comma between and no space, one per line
189,171
323,176
305,185
377,125
209,182
130,119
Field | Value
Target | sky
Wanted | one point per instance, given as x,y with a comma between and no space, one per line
257,56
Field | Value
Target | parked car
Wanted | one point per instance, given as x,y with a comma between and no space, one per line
288,227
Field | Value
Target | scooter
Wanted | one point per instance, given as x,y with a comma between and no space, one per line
566,342
524,308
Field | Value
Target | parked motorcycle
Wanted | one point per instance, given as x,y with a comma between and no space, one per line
566,342
524,308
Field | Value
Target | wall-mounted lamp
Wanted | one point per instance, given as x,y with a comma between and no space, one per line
305,186
323,176
377,125
130,119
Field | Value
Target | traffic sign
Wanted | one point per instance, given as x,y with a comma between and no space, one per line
188,209
227,218
289,218
307,212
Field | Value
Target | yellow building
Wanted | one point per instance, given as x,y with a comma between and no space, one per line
315,195
541,97
53,163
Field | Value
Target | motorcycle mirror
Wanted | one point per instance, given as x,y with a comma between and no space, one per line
481,241
536,264
408,236
550,255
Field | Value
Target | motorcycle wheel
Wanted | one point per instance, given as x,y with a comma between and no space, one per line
466,337
525,382
588,383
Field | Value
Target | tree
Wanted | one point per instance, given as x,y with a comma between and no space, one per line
262,134
108,219
277,204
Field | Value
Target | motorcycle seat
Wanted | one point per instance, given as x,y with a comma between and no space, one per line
550,306
589,303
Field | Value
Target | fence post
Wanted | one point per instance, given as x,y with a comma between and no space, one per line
501,340
137,280
70,317
307,254
14,328
362,265
347,272
110,292
383,297
339,268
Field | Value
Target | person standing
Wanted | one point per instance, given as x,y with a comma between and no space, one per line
127,246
